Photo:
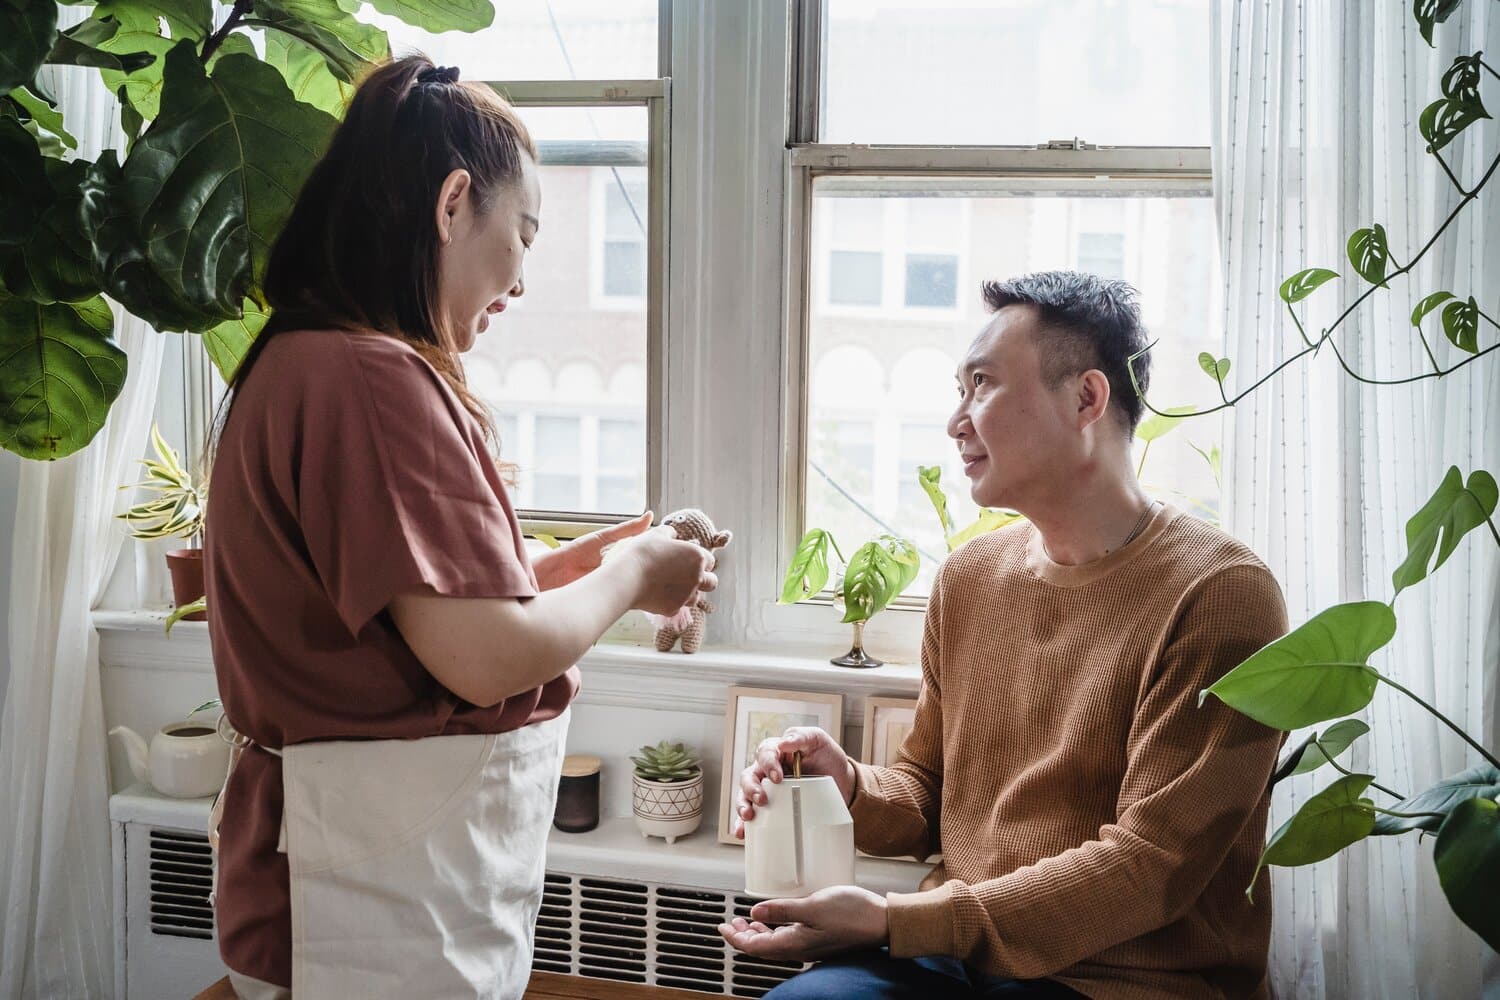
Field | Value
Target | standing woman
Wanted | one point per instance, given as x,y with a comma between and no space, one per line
401,669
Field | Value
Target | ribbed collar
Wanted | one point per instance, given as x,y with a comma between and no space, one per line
1059,575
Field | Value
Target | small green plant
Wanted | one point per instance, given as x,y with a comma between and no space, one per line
666,762
877,574
178,509
990,518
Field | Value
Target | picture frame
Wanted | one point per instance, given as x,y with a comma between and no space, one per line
887,722
751,714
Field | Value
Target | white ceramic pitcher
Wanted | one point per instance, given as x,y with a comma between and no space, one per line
185,760
801,840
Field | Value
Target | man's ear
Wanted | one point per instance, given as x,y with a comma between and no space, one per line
451,194
1093,397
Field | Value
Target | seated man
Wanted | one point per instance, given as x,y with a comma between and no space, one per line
1098,827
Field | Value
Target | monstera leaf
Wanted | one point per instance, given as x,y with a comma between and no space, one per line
1302,284
59,373
182,231
808,571
1482,781
27,30
1454,510
1316,672
877,573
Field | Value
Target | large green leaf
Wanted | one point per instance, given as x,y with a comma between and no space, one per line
809,569
1428,12
1467,856
1326,747
25,190
52,262
1461,324
1302,284
228,342
43,113
1317,672
437,15
876,575
930,477
345,43
1454,510
181,237
1459,107
1326,824
59,373
1370,254
82,45
1159,424
27,30
1480,781
184,18
140,31
307,73
989,519
1427,305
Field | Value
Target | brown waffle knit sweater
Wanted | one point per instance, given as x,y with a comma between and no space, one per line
1097,826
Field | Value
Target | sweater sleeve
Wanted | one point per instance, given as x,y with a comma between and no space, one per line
896,808
1194,777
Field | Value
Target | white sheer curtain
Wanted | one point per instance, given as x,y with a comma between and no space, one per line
56,936
1316,105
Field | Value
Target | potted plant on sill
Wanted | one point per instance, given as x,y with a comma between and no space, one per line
667,791
177,510
876,575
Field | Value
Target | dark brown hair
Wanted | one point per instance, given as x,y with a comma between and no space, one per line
1086,322
360,249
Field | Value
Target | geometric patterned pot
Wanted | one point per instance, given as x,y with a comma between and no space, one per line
668,809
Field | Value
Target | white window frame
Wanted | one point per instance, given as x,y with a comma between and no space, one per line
1067,164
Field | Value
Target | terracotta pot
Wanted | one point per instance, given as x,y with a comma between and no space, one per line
668,809
186,567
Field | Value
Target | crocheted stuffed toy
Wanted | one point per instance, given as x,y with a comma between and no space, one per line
691,526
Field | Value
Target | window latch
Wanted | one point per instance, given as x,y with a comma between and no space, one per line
1073,143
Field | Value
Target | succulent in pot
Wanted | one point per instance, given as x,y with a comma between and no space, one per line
667,791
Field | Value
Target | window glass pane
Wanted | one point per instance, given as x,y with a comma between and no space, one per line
931,280
890,373
854,278
573,347
543,40
932,223
1017,72
859,222
622,465
625,204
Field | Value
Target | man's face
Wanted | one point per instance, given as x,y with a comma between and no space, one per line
1019,439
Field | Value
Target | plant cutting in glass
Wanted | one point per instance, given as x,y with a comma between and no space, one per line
1321,670
874,577
178,510
220,133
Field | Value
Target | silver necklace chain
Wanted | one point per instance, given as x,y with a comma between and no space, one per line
1139,524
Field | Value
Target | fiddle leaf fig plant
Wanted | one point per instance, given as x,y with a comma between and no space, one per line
177,224
1322,669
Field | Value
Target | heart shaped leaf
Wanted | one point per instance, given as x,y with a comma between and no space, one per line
1454,510
1327,823
808,572
1481,781
1302,284
1334,740
1461,324
59,373
1316,672
182,234
1159,424
1369,253
1427,305
1467,856
27,31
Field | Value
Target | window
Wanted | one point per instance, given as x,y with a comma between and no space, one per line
567,369
905,223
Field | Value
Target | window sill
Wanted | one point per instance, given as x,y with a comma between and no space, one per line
630,674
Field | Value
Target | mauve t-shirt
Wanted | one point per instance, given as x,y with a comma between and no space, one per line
347,473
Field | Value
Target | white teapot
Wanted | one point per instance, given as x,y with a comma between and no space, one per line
801,840
185,760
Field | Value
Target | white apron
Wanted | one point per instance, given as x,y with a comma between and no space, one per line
417,865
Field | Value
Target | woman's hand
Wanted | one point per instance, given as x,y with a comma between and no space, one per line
576,559
821,754
671,572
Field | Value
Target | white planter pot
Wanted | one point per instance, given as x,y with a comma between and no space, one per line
667,809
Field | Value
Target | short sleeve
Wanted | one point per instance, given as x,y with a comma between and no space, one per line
395,489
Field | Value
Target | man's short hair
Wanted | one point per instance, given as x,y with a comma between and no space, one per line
1086,322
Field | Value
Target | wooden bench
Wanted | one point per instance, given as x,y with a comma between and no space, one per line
544,986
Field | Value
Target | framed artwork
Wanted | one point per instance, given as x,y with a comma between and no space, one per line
754,714
887,721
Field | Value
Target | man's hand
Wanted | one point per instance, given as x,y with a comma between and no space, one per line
576,559
821,754
837,919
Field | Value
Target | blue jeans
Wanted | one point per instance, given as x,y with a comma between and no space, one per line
877,976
